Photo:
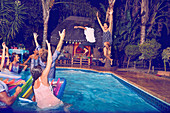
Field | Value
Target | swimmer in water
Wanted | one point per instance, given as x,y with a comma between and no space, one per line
41,87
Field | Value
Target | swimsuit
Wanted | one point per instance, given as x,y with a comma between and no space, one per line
107,37
15,67
34,63
45,97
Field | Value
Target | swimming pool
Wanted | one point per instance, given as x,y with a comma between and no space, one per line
90,91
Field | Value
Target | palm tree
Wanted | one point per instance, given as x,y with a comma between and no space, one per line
34,22
111,5
46,13
144,9
156,13
13,15
152,11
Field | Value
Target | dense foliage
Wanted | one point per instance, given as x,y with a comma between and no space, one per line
28,14
166,57
150,50
12,18
131,51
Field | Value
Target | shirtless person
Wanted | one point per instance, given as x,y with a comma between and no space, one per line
89,33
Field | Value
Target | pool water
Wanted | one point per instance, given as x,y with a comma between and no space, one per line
90,91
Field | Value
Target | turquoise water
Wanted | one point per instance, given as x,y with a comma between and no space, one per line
90,91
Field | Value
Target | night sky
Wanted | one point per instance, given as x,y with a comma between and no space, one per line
53,21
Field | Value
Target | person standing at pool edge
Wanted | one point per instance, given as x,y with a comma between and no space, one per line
43,54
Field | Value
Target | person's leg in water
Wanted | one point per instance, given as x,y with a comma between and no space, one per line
107,51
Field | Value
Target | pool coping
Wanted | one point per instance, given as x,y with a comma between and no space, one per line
146,94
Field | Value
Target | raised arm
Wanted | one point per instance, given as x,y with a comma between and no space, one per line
35,39
60,43
97,15
7,55
3,55
48,66
25,66
27,59
110,20
81,27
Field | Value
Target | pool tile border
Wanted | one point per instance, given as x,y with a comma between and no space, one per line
154,101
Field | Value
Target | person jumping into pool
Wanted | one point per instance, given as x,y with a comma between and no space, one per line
107,38
89,33
41,87
43,54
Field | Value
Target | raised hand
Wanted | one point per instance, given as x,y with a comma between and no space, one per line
62,35
3,45
97,14
48,44
35,38
35,35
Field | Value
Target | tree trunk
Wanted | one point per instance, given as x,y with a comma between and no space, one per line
124,61
128,62
111,5
134,64
164,65
45,34
107,63
117,62
111,24
46,14
144,8
142,40
150,62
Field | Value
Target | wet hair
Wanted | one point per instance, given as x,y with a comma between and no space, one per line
43,54
36,72
13,56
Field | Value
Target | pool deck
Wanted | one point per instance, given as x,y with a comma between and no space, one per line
155,85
